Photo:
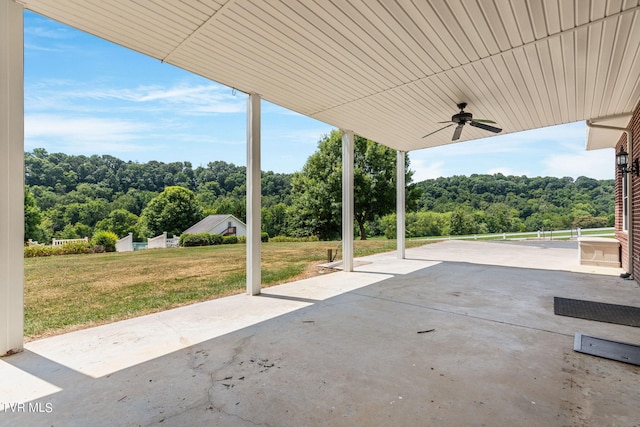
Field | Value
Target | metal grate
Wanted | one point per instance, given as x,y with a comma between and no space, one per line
598,311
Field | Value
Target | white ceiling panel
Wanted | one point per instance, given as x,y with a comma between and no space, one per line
391,70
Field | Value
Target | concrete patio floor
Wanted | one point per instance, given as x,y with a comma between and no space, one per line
343,349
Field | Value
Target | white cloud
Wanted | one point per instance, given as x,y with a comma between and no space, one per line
308,136
599,164
179,98
46,38
31,46
81,129
426,170
47,32
570,133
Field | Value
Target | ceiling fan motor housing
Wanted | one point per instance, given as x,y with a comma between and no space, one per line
462,117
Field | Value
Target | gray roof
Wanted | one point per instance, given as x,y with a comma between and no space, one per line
208,223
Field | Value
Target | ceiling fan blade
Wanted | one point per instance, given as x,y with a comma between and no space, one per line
485,127
438,130
448,121
457,132
483,121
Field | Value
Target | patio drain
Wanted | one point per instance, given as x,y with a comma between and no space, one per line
598,311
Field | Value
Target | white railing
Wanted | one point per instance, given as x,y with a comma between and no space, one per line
173,242
60,242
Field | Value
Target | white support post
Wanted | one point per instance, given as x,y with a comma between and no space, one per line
254,277
11,177
400,204
347,199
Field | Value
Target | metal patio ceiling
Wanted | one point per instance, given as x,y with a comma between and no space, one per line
390,69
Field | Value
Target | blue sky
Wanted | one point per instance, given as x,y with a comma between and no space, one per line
84,95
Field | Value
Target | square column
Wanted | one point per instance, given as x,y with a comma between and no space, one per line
347,199
400,204
254,192
11,177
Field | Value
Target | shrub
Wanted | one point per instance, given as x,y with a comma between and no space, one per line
69,248
72,248
264,237
38,251
215,239
199,239
182,237
106,239
242,239
229,240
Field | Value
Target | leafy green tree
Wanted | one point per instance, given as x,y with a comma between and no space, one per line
74,231
462,222
32,217
229,205
588,221
174,210
374,181
133,200
418,224
316,192
208,193
121,222
46,228
45,198
88,213
274,219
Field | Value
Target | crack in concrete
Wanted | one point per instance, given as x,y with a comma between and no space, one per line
196,365
237,351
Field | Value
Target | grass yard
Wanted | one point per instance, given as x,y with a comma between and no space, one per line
65,293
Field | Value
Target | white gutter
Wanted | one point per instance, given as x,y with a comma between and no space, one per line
628,177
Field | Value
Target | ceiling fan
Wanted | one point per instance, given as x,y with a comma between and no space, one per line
461,118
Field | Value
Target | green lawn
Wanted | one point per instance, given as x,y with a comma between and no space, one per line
64,293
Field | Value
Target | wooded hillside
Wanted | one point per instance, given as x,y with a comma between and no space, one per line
71,196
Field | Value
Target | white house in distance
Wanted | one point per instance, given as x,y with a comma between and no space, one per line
225,225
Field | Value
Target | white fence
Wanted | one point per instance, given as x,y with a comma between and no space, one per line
162,241
125,244
60,242
173,242
535,235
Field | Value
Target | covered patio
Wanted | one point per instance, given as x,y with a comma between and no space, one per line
388,70
458,333
448,334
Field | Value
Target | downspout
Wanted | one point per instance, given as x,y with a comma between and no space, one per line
627,132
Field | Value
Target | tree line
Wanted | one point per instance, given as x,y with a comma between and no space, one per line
69,196
498,203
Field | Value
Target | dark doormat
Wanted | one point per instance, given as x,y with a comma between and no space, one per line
598,311
615,350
